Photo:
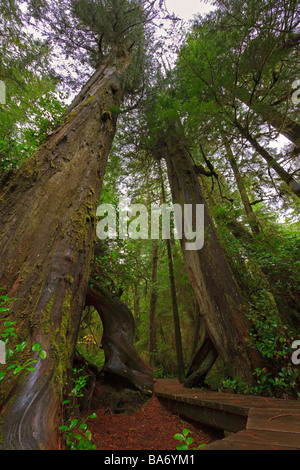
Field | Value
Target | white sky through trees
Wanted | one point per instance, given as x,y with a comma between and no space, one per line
185,9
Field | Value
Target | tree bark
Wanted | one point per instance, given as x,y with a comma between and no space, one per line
220,301
122,362
47,214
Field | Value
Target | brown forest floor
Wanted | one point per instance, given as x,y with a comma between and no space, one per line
151,427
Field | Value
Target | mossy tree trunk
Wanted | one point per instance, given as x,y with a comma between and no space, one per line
48,220
221,303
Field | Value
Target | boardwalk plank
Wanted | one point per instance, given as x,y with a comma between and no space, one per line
225,444
275,438
261,423
274,419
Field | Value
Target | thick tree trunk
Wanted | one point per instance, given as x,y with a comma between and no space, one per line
290,181
47,214
221,304
122,362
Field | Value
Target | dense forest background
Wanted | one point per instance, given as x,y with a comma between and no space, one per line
223,91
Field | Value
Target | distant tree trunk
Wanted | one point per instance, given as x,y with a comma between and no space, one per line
290,181
136,308
253,222
178,339
282,123
48,220
153,302
221,303
122,362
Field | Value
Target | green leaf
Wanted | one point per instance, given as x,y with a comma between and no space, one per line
21,346
43,354
2,375
179,437
73,423
9,353
189,441
93,415
182,447
185,432
64,428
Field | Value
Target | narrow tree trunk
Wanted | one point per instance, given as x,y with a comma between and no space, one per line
136,308
220,301
293,185
153,301
178,339
48,217
254,225
122,362
282,123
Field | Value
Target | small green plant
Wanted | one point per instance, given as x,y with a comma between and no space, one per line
273,340
78,436
7,334
77,391
80,383
187,441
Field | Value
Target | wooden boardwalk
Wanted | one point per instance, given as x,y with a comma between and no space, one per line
254,423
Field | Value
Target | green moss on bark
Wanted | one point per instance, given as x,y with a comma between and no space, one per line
61,349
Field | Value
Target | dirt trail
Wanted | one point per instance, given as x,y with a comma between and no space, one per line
152,427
